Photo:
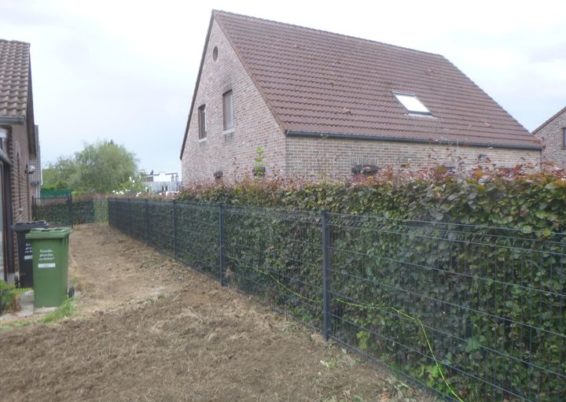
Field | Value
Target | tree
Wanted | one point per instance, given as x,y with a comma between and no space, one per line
60,174
102,167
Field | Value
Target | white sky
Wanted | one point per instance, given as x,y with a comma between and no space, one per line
125,70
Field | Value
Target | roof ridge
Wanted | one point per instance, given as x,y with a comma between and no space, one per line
322,31
15,41
555,115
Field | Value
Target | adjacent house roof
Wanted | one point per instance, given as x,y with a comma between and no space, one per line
319,83
14,78
563,110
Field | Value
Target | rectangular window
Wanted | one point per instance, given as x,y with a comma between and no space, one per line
202,122
564,138
228,109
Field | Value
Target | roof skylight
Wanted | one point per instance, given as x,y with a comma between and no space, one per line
412,104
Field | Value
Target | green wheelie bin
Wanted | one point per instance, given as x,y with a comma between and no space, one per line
50,250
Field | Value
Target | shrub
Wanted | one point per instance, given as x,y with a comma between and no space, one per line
7,297
492,299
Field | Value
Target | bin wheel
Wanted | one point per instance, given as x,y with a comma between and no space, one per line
71,292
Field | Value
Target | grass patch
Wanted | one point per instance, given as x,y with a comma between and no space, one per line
63,311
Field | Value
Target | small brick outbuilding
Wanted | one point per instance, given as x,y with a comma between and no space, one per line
319,104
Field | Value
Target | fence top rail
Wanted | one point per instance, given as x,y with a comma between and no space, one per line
351,219
422,222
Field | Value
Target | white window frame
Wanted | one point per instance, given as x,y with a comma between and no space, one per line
412,104
201,118
228,124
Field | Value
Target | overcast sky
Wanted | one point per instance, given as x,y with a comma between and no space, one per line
125,70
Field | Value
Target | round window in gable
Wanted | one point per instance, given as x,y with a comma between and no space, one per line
215,53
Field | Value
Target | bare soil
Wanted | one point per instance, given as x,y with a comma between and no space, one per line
150,329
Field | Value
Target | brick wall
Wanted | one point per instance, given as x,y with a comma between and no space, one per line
18,152
234,153
333,158
254,126
17,148
552,136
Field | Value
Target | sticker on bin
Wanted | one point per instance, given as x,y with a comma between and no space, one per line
46,259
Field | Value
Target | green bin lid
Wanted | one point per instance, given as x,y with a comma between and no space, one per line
48,233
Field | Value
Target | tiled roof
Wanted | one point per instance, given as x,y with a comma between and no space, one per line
14,78
554,116
317,82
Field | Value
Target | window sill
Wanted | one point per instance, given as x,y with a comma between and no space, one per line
229,131
201,140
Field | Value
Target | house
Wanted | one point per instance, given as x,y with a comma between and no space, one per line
319,104
19,148
552,133
161,182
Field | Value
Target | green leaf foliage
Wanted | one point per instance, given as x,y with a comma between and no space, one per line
103,167
459,282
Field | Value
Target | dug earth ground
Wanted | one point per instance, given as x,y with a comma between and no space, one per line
146,328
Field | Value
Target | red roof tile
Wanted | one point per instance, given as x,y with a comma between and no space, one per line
14,78
324,83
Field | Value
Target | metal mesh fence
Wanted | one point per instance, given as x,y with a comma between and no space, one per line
70,211
471,312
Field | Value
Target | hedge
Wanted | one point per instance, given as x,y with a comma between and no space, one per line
503,197
505,294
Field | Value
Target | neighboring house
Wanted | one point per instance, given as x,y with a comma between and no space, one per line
319,104
162,182
19,148
552,133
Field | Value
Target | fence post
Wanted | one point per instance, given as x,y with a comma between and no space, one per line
221,245
146,222
175,229
130,216
70,205
326,267
109,219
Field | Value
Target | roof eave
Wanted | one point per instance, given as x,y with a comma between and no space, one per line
363,137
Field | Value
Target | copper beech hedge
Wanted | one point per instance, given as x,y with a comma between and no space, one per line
492,316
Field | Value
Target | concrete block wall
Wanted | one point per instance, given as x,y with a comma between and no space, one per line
234,152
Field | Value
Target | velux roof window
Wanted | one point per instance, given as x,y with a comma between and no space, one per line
413,104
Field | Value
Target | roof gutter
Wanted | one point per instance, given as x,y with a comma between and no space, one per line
361,137
12,120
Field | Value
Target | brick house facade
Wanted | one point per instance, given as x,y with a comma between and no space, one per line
552,133
19,149
305,97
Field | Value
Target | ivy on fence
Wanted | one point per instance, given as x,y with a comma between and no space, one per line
473,312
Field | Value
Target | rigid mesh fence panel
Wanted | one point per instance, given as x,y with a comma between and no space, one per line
276,255
119,214
474,313
138,219
56,211
161,226
198,237
70,211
